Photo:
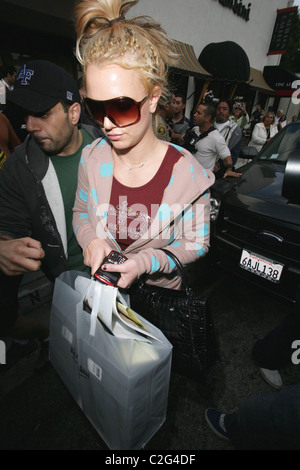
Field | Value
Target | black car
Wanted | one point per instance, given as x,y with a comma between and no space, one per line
255,219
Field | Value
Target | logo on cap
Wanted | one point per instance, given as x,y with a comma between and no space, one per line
25,74
69,95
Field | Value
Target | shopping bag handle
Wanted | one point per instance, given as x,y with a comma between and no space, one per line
181,270
94,312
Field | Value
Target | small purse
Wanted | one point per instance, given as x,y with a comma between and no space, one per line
185,319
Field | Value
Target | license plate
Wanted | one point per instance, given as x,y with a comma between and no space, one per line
262,267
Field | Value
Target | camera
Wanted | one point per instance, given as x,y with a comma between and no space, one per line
190,139
209,97
238,102
107,277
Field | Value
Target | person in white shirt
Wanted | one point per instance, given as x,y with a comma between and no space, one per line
212,146
8,77
282,122
239,114
278,116
263,131
230,130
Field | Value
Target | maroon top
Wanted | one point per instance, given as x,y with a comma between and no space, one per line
132,210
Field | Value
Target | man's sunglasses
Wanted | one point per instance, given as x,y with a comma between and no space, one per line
122,111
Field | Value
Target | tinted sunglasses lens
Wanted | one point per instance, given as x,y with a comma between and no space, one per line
95,109
123,111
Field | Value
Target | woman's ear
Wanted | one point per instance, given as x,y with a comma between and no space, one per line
154,98
74,113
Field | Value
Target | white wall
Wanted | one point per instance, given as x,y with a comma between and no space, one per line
196,22
200,22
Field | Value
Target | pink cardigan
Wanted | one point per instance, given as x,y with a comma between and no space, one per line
181,224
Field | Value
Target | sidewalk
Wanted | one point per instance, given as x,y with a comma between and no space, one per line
38,413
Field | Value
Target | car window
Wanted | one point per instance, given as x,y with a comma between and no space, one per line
282,144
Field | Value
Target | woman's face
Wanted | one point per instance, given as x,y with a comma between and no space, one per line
110,81
269,119
237,111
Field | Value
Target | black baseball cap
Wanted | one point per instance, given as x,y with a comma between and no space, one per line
41,84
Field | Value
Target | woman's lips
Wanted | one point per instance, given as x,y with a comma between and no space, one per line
114,137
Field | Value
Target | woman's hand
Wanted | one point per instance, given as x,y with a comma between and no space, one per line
95,253
128,270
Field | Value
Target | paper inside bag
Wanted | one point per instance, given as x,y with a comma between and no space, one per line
113,310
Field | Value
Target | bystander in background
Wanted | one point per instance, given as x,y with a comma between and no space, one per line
263,131
239,114
163,114
8,139
230,130
209,144
179,123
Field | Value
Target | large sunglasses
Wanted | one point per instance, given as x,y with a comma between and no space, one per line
122,111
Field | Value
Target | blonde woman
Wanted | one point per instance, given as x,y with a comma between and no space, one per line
263,131
136,194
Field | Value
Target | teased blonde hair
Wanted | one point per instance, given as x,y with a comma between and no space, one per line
104,35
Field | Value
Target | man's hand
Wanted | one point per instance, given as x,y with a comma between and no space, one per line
230,172
177,138
18,256
228,168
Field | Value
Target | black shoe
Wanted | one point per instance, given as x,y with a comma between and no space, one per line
16,352
215,420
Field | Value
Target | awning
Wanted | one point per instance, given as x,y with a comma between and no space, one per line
226,61
258,82
188,63
280,79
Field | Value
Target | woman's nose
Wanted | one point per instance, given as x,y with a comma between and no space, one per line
107,123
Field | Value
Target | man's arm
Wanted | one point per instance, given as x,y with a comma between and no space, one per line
15,216
223,153
178,138
235,151
228,165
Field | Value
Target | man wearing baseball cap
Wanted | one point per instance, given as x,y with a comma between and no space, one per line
37,189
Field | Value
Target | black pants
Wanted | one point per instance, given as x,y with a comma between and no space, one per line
274,351
9,304
267,422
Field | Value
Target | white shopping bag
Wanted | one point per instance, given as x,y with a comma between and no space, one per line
121,380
